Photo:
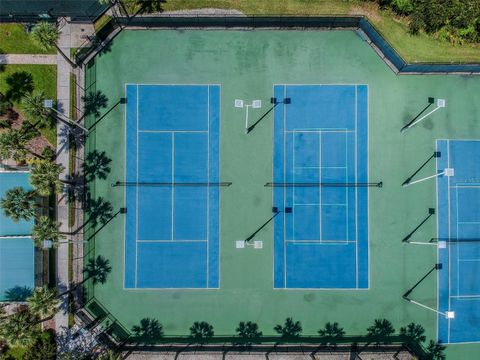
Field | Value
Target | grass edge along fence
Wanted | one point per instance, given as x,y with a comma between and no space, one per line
359,23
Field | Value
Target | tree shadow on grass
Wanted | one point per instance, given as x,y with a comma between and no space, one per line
19,83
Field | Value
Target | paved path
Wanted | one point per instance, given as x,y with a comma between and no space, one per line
34,59
63,131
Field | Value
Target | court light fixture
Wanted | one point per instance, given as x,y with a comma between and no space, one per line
441,103
240,104
48,104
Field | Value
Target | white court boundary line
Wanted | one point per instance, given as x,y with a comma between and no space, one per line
367,195
320,132
208,85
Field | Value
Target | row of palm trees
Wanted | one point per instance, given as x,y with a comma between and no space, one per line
22,326
150,331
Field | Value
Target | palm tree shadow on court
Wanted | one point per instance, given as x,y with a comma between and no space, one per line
96,165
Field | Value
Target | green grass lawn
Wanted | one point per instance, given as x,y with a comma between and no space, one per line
419,48
44,78
14,40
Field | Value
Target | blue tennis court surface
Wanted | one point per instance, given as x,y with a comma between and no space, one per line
9,180
458,199
16,264
321,137
172,232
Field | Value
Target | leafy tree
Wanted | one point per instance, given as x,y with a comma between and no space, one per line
43,302
44,177
19,204
46,35
43,347
13,145
18,329
149,331
46,229
435,351
413,333
32,105
380,331
248,332
290,329
201,331
332,333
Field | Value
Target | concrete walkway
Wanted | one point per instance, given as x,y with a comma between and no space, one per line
34,59
63,131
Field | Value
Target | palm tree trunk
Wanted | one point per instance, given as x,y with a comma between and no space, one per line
65,56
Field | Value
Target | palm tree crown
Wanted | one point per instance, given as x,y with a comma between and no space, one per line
45,35
13,145
18,329
19,204
46,229
44,177
34,108
43,302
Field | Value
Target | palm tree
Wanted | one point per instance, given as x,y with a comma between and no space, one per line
332,333
44,177
18,329
413,333
201,331
13,145
46,35
248,332
97,165
46,229
43,302
34,108
19,204
434,351
290,329
148,332
380,331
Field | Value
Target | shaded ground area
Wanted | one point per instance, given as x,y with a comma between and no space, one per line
247,64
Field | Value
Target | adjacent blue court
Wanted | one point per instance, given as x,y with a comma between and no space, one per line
17,261
458,199
321,137
172,224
